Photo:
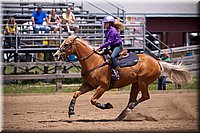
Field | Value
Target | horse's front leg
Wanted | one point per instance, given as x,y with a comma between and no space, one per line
99,92
83,89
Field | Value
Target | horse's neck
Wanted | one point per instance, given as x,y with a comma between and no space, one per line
83,51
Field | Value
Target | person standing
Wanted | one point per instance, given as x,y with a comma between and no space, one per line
162,79
37,18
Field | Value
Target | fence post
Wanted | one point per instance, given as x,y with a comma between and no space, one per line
177,86
58,80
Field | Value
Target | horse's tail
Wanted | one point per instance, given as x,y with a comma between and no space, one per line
176,73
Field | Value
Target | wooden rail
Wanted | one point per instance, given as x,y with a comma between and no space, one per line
42,76
58,75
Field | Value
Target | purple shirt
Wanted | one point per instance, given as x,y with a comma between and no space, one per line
112,38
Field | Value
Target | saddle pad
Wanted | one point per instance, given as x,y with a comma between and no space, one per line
130,60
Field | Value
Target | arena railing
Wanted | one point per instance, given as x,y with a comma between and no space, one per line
26,32
33,44
160,43
94,33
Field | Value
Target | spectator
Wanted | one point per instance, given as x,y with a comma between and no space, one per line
10,30
54,21
162,79
69,21
38,19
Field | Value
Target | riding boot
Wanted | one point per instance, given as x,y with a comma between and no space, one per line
115,66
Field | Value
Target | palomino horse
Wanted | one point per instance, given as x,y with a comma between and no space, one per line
96,74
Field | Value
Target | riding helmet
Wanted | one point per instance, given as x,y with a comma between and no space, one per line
108,19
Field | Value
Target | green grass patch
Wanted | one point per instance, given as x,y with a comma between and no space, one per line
13,88
36,86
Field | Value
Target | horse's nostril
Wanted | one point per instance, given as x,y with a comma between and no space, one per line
56,55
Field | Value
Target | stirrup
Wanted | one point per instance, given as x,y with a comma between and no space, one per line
115,74
108,61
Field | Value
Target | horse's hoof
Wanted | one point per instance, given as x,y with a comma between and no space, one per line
117,119
108,106
71,113
132,105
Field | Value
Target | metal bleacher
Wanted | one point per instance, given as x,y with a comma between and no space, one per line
30,42
30,54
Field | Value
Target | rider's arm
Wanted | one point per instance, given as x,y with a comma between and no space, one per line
110,40
33,17
73,18
65,18
45,17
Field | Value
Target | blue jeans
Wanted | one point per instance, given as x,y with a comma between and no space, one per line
115,54
162,83
44,28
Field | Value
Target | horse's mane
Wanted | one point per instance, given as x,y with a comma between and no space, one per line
85,42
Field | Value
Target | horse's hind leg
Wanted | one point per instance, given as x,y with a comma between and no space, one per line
132,100
83,89
145,92
145,95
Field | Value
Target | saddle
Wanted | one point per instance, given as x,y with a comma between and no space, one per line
125,59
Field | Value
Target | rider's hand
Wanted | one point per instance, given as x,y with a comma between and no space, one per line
97,49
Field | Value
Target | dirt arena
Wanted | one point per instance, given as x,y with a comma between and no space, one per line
175,110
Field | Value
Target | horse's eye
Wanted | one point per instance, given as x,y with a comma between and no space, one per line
66,45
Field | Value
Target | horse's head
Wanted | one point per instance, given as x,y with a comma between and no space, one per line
66,48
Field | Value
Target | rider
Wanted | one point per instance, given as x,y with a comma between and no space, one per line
113,40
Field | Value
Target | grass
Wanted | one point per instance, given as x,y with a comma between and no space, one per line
50,88
13,88
44,87
38,87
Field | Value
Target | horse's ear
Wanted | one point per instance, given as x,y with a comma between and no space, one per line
63,42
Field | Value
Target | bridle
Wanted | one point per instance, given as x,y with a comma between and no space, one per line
69,46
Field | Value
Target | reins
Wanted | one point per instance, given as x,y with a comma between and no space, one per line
91,70
70,45
84,58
